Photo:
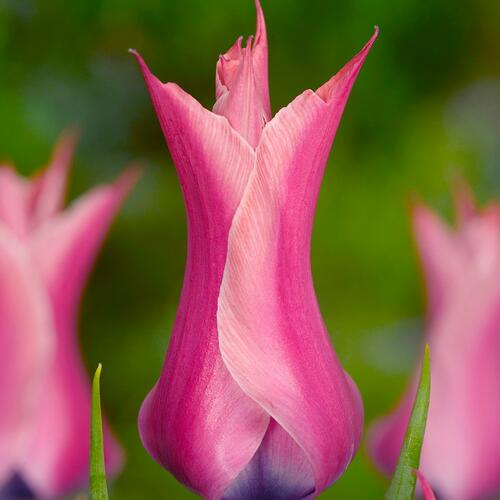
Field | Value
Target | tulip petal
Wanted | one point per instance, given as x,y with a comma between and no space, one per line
279,470
260,59
64,249
196,421
25,203
460,451
50,187
15,193
242,87
426,487
25,347
271,334
465,203
480,240
438,253
338,87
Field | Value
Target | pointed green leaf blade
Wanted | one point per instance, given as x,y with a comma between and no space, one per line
403,483
98,486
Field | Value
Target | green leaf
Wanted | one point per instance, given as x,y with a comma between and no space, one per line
98,486
403,483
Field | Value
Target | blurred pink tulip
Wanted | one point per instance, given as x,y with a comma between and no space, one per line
252,401
46,255
461,450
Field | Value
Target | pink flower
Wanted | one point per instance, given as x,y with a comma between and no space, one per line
252,400
460,454
46,255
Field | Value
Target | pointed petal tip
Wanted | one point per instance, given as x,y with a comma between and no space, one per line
129,178
340,85
371,41
414,203
65,147
136,54
464,200
69,137
260,30
140,60
421,216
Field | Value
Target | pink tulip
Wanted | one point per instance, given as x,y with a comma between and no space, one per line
46,255
461,450
252,400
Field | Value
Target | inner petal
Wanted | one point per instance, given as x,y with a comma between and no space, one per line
279,470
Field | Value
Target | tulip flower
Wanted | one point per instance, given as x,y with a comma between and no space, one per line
460,455
252,401
46,254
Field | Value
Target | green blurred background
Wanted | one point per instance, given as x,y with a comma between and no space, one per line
426,105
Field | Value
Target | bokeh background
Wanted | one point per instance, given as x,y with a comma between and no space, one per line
426,106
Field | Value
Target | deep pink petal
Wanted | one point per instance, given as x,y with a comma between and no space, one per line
26,340
337,89
242,87
55,461
196,421
271,333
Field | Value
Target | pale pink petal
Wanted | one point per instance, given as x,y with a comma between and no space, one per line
271,334
26,340
460,450
242,87
439,254
479,240
15,195
65,246
48,190
25,203
260,59
55,461
196,421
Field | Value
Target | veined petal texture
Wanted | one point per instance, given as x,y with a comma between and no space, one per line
252,401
